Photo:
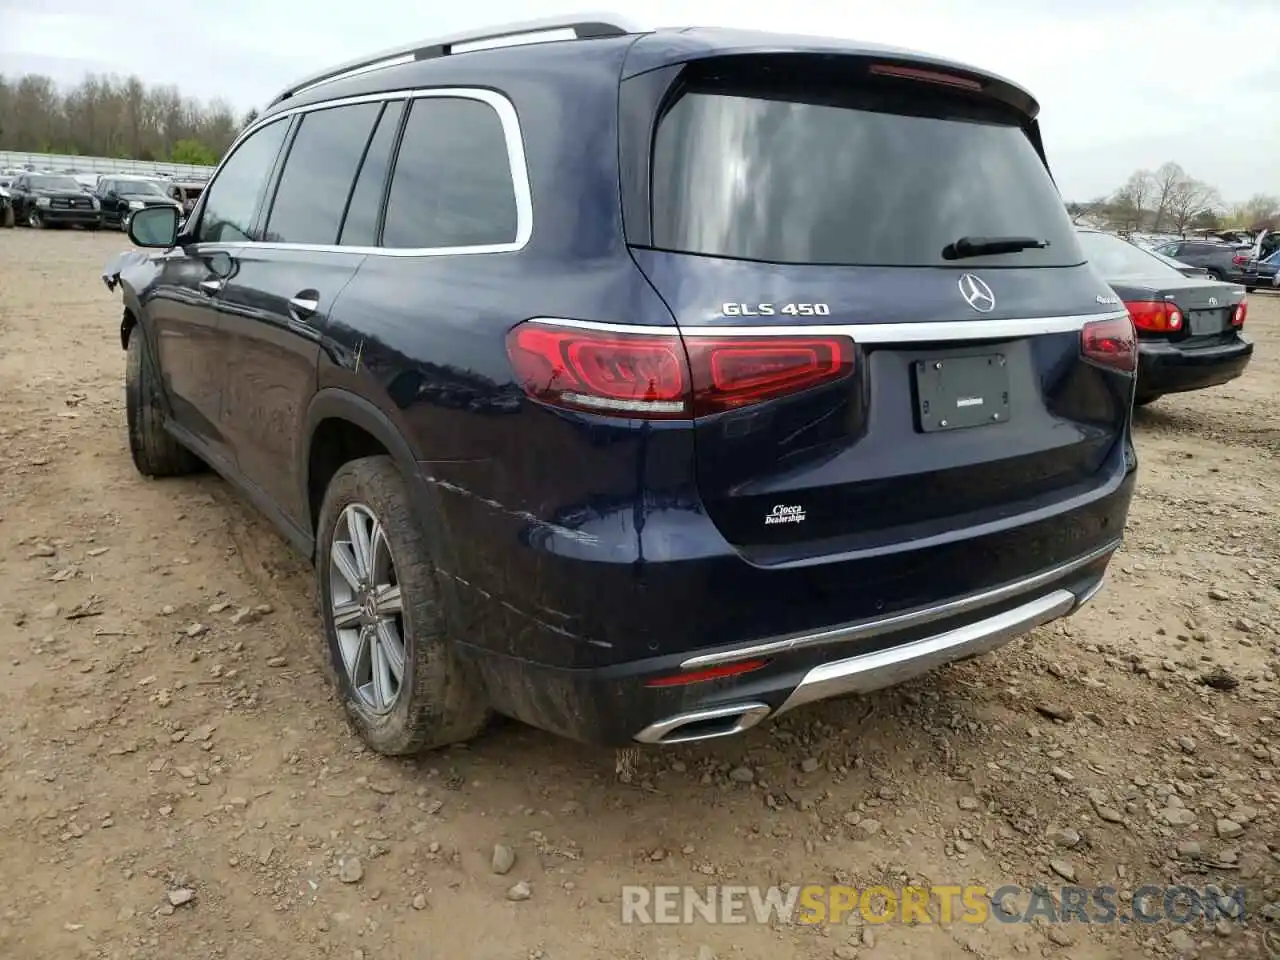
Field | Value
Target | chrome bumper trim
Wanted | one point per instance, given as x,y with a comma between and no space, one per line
1089,594
884,668
865,629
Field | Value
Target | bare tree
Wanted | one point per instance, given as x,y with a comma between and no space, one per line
1130,202
1262,210
1165,183
1191,199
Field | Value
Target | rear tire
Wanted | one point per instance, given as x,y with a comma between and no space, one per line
155,452
7,218
1216,274
438,698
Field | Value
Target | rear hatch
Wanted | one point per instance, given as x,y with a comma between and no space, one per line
802,210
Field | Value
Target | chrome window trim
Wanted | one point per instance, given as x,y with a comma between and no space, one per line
907,332
516,159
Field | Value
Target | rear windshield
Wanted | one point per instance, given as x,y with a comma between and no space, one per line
772,168
1115,258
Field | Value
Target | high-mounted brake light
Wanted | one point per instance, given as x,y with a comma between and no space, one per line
927,76
1239,314
1111,343
1156,316
659,375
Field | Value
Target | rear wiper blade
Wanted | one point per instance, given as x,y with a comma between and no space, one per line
980,246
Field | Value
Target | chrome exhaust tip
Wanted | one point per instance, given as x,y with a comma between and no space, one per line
705,724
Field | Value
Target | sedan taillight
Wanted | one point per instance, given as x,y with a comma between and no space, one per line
1155,316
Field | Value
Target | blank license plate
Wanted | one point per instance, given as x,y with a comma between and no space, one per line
1203,322
957,392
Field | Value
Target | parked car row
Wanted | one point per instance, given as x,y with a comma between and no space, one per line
1238,264
40,200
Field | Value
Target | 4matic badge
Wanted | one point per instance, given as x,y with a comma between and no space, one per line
784,513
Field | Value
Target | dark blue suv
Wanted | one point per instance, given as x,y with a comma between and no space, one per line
642,385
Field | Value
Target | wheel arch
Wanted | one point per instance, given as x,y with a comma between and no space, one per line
359,428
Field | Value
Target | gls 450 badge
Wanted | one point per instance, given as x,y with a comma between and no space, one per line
785,513
775,310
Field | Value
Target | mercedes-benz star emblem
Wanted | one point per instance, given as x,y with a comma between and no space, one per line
976,293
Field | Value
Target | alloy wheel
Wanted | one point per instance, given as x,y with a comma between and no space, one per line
366,608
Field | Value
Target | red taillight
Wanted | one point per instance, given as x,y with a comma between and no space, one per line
1111,343
1239,260
928,76
645,375
1155,315
733,372
711,673
659,376
1239,314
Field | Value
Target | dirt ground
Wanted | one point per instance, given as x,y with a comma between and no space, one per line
158,746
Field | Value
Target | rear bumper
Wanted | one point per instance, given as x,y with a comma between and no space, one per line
618,704
1172,368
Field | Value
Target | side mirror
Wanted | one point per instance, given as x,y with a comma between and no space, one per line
154,227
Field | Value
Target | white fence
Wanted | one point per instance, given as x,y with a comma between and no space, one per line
60,163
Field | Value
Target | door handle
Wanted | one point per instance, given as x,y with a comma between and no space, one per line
305,304
211,286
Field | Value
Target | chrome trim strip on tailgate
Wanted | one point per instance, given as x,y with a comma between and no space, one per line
901,621
923,332
884,668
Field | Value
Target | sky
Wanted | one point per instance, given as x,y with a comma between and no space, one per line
1123,84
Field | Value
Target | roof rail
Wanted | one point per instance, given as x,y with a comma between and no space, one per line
580,27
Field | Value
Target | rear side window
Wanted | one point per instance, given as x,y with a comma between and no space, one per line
452,185
361,226
319,173
233,199
803,166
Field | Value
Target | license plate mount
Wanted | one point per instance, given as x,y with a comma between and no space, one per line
1206,322
954,393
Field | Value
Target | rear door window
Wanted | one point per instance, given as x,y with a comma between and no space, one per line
319,173
801,167
452,186
361,225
